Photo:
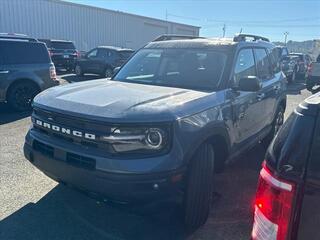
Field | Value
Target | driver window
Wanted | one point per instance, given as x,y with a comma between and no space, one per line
93,53
244,65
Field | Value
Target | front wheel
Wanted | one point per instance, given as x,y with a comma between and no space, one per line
21,94
108,73
78,71
199,187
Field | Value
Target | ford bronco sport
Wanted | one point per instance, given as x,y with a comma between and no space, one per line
170,118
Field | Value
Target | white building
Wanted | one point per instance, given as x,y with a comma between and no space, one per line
87,26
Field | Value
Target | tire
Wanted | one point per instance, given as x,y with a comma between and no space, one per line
199,189
276,124
78,71
108,72
20,95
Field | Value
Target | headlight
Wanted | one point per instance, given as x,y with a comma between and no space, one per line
138,139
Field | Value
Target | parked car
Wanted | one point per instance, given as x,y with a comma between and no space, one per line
313,76
63,53
289,188
102,60
25,70
170,118
304,61
288,64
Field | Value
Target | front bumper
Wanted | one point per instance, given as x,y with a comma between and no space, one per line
115,186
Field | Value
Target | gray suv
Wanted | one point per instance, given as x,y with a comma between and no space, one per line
25,70
164,125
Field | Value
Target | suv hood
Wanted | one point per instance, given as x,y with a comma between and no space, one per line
124,102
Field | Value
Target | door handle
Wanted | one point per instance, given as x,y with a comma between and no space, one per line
4,71
260,96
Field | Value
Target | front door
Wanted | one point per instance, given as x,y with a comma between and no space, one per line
91,61
247,106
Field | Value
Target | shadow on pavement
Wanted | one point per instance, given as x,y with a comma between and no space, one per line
67,214
64,213
296,88
7,115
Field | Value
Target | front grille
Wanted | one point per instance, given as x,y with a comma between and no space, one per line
74,123
43,148
71,121
71,158
81,161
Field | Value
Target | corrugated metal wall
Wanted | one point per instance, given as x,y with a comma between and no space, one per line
87,26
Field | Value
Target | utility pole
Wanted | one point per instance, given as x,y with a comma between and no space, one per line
285,37
224,30
167,21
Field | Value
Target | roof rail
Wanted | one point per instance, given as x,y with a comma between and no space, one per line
15,36
244,37
166,37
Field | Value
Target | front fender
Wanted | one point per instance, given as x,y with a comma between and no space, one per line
194,130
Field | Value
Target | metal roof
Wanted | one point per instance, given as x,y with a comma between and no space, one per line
118,12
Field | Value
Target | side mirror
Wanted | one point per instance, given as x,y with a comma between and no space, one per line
115,70
249,84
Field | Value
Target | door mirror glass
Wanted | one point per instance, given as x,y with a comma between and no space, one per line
249,84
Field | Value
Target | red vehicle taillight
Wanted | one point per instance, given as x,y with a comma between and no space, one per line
273,207
50,53
53,74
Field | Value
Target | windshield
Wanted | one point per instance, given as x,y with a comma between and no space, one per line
62,45
199,69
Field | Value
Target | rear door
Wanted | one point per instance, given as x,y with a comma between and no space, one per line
271,86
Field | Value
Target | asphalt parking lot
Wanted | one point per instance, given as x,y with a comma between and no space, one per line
32,206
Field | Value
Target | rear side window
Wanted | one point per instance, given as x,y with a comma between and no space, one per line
62,45
15,52
263,64
244,65
274,59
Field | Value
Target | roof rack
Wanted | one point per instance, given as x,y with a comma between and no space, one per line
16,36
166,37
244,37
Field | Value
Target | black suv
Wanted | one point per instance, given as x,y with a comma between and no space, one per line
170,118
288,64
303,62
288,192
25,70
63,53
102,60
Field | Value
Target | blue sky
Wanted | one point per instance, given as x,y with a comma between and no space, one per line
271,18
